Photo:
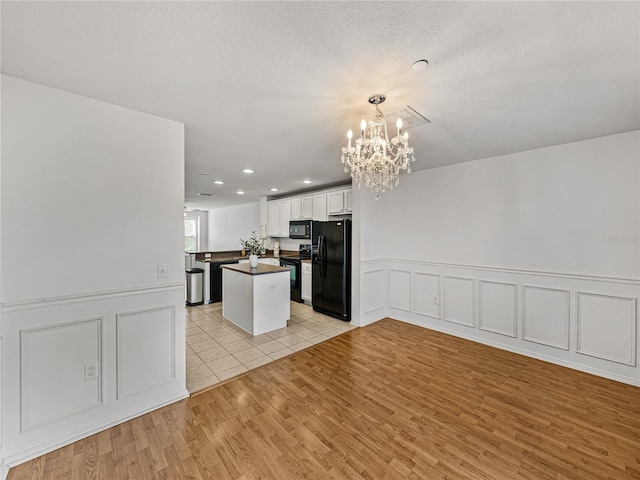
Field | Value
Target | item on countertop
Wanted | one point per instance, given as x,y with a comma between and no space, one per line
276,249
254,245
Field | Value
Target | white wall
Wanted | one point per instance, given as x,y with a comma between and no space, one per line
92,203
546,209
536,252
228,225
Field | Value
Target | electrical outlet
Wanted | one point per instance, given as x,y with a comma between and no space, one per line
91,371
163,271
436,301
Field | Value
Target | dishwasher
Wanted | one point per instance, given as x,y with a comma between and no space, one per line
215,282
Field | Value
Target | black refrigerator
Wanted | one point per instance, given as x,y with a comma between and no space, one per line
331,268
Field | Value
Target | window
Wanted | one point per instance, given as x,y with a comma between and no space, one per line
191,234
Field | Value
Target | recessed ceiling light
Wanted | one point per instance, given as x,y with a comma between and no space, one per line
203,174
247,170
420,65
274,189
306,181
206,194
219,182
240,192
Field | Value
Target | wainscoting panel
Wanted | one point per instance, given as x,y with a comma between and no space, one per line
400,289
146,353
374,296
460,300
607,327
546,316
135,339
427,294
498,307
53,362
588,323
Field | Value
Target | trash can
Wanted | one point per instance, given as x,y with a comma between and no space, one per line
195,282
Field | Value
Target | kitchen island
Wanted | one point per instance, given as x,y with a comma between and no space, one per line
211,261
256,299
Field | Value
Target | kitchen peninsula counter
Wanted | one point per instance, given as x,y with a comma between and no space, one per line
256,299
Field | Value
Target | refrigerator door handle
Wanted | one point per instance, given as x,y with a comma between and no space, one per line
321,258
324,257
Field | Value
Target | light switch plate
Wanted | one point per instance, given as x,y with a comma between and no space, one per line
163,271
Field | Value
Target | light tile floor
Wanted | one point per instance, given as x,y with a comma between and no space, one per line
218,350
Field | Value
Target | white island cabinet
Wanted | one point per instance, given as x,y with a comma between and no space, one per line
256,299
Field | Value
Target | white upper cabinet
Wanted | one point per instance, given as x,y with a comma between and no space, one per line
317,206
302,208
339,202
273,219
285,217
296,209
347,201
320,207
336,202
307,208
278,216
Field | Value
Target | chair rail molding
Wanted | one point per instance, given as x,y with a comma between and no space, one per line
35,303
575,276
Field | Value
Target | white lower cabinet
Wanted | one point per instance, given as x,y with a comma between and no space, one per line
306,282
267,261
270,261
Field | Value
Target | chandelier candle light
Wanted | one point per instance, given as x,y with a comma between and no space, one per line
376,161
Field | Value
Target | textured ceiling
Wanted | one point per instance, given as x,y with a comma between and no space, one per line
273,86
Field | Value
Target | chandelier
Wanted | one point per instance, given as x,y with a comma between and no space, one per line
376,161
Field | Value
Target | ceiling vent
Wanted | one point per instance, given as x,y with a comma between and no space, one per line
410,117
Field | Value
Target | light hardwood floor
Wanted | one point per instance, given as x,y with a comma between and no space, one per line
389,401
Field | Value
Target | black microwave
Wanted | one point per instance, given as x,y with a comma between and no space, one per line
300,229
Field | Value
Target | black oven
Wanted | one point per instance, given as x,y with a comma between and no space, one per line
294,276
294,264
